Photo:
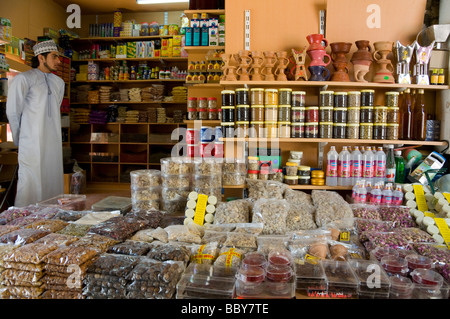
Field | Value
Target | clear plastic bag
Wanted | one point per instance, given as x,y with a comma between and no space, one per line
70,215
398,214
118,228
95,218
272,213
312,249
241,240
164,252
330,206
21,276
235,211
16,212
152,217
78,182
258,189
4,229
204,254
365,211
267,243
131,248
23,236
229,257
57,239
217,236
182,233
25,292
77,230
70,255
113,265
94,241
48,225
32,253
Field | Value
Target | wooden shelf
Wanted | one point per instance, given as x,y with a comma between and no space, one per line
204,85
208,11
332,140
152,102
204,48
182,59
331,84
206,122
130,81
304,187
140,38
118,123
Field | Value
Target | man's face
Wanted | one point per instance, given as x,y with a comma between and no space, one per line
51,61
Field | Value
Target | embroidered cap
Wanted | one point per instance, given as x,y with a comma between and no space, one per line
44,47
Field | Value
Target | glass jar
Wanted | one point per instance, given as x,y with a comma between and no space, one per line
326,130
257,113
298,114
227,129
284,129
297,130
304,170
353,115
365,131
252,174
212,109
340,99
391,99
304,180
379,131
380,115
202,108
298,98
242,128
312,114
340,115
352,131
284,113
339,130
354,99
253,163
270,113
291,180
325,114
276,175
367,97
285,96
264,175
311,130
257,96
393,115
228,98
271,97
291,169
256,129
271,129
242,113
326,98
242,96
219,114
392,131
192,108
228,114
366,114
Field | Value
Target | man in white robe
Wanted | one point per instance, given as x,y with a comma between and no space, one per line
33,110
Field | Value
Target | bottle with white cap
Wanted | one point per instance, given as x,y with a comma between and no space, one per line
397,195
376,195
387,195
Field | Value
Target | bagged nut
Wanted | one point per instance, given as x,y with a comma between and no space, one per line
23,236
267,243
265,189
214,236
96,242
131,248
330,206
176,166
233,179
236,211
48,225
176,181
240,240
229,257
207,167
169,251
253,228
31,253
204,254
207,181
57,239
234,166
145,178
118,228
301,210
272,213
146,194
182,233
146,205
177,193
77,230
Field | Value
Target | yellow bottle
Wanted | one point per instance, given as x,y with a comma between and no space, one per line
441,77
434,77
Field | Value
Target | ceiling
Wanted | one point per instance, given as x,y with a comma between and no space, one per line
109,6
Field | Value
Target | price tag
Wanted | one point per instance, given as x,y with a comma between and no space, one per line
200,209
344,236
444,230
420,198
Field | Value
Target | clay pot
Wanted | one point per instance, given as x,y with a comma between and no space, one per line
315,42
317,57
258,58
363,52
382,49
319,73
339,50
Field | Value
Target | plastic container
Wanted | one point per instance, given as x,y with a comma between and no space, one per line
310,279
271,97
394,265
242,129
392,131
354,99
326,129
270,129
66,201
278,272
270,113
143,194
145,178
284,113
363,271
367,97
254,259
256,129
242,96
211,181
380,252
391,99
242,113
285,96
175,193
311,130
291,180
304,180
326,114
326,98
291,169
257,113
379,131
366,131
192,108
276,175
213,110
298,114
340,115
393,115
284,129
228,98
298,98
353,115
339,130
181,180
380,115
340,99
366,114
228,114
312,114
417,261
233,179
257,96
202,108
227,129
352,131
401,287
304,170
317,174
207,167
428,284
297,130
342,282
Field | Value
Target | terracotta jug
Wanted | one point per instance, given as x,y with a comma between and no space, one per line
361,60
315,42
318,56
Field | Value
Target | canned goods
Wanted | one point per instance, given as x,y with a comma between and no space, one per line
228,98
326,98
206,149
193,150
218,149
242,96
217,133
206,134
298,98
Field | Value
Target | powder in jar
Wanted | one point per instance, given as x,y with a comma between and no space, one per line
257,96
326,98
285,96
257,113
284,129
271,97
284,113
271,113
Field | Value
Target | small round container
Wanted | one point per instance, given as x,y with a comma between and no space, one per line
326,98
326,129
242,96
202,108
417,261
279,273
291,180
242,129
317,174
304,180
311,130
270,129
242,113
254,259
353,115
393,115
312,114
352,131
340,99
253,163
340,115
380,114
284,113
145,178
366,114
394,265
326,114
227,129
391,99
296,155
257,113
427,277
366,131
298,114
228,98
392,131
339,130
304,170
271,97
367,97
284,129
381,252
251,274
256,129
284,96
176,166
297,130
318,181
401,287
279,257
192,108
257,96
270,113
251,174
291,169
276,175
379,131
298,98
354,99
228,114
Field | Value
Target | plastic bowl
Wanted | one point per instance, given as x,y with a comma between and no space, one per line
279,257
394,265
427,277
418,261
254,259
279,273
253,274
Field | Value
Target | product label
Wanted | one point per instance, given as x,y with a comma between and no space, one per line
447,196
230,254
344,169
356,169
380,169
200,209
396,200
368,169
312,259
332,168
376,199
420,198
362,198
200,256
386,200
390,174
429,214
344,236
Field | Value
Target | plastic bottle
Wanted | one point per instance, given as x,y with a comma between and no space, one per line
368,164
344,168
332,167
390,165
387,195
380,165
356,173
362,194
399,167
397,195
368,190
355,190
376,195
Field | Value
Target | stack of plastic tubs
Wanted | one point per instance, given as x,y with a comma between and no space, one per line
234,172
145,189
207,176
176,173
